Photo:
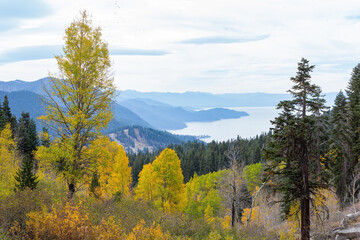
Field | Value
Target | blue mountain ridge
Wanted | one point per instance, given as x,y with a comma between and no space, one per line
141,112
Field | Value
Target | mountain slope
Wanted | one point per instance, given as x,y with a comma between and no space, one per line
25,101
31,102
209,100
166,117
19,85
136,138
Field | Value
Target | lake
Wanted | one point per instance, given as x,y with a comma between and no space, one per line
223,130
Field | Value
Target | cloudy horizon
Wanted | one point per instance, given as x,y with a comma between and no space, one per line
187,45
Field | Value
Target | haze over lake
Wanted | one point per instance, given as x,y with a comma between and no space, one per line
223,130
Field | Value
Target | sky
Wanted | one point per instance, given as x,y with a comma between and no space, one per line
217,46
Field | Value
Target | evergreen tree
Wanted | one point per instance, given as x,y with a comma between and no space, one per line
2,118
6,109
341,142
25,177
26,136
291,151
26,143
353,92
8,116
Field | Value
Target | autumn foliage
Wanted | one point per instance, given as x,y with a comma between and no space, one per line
163,182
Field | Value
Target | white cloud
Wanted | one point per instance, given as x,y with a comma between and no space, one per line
325,32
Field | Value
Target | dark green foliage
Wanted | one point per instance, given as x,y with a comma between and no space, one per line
136,161
293,148
6,109
202,158
94,183
25,177
353,93
244,200
125,139
2,118
26,135
9,118
341,142
26,143
152,138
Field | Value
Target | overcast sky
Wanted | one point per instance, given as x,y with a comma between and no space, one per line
191,45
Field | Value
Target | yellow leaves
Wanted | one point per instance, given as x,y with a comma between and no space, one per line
166,188
70,222
214,235
79,98
226,222
209,214
112,165
109,230
255,215
145,189
67,222
290,233
141,232
8,161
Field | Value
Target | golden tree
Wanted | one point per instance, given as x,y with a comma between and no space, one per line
8,161
145,188
111,165
169,181
79,98
162,182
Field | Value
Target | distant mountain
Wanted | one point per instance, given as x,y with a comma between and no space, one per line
166,117
19,85
209,100
31,102
136,138
185,100
24,101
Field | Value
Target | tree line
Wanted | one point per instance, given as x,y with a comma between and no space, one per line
201,158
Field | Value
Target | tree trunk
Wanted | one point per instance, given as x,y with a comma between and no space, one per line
305,198
233,213
71,191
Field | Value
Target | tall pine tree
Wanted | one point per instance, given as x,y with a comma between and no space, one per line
26,143
341,144
8,116
26,136
25,177
353,92
2,118
291,151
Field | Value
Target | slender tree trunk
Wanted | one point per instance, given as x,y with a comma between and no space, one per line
253,204
305,198
233,213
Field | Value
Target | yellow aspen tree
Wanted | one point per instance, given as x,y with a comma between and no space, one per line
79,97
8,161
169,181
145,188
112,166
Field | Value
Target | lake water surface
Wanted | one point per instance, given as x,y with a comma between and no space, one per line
245,127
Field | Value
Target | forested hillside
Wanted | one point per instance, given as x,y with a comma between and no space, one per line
139,139
201,158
